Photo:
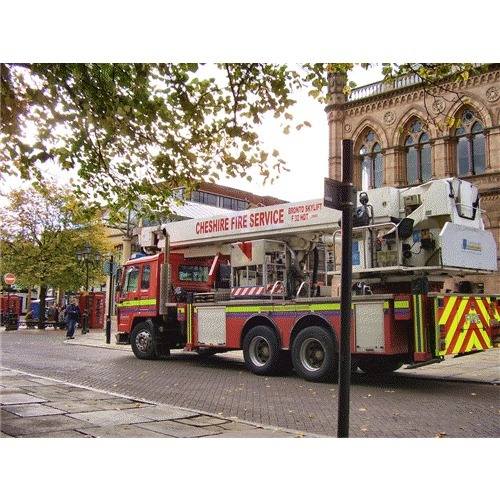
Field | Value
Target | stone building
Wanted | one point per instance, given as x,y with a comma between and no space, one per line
400,137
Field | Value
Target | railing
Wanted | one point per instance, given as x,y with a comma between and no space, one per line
381,87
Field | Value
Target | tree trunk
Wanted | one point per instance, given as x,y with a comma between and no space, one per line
41,319
28,300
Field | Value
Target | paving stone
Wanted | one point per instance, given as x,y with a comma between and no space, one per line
121,404
204,420
122,431
18,382
3,435
76,406
56,393
43,381
162,412
236,426
8,373
255,433
16,398
5,415
46,391
32,410
58,434
176,429
110,417
11,390
35,425
86,394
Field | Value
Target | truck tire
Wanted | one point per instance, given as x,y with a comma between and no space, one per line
261,351
379,364
143,340
314,355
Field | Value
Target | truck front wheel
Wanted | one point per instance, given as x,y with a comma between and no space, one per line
314,356
143,340
261,351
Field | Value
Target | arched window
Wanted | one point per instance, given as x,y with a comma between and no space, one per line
417,154
470,145
371,162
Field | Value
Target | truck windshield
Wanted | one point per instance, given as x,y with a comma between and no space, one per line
131,279
193,273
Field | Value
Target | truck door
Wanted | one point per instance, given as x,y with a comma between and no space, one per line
146,294
128,298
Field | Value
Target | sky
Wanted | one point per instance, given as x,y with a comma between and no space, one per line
305,151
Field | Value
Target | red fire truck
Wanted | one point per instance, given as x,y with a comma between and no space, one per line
265,281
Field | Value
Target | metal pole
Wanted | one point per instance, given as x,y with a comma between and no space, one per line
345,291
110,301
85,321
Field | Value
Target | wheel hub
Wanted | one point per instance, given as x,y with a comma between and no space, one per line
312,354
260,351
143,341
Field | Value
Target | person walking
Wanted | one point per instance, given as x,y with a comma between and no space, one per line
72,317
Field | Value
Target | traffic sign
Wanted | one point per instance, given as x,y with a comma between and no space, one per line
9,278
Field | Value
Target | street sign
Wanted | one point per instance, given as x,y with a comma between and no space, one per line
337,194
9,278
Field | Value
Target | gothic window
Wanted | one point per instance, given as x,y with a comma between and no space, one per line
417,154
470,149
371,162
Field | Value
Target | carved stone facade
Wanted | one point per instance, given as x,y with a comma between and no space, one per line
397,118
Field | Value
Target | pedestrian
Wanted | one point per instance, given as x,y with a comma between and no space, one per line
50,313
61,322
72,318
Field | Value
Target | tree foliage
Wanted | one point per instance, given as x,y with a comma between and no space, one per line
137,131
40,235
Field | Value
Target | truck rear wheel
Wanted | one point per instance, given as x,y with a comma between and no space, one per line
314,355
261,351
379,364
143,340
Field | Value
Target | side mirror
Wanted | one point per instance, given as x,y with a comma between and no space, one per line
405,228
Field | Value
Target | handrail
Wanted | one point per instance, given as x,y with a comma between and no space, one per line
300,288
274,287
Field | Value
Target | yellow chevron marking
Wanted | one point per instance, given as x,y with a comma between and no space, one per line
487,339
471,342
447,310
484,310
460,341
456,319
